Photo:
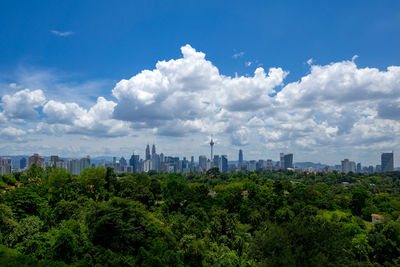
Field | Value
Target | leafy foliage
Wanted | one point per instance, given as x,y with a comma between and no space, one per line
49,217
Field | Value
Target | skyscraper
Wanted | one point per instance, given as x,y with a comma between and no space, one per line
240,156
203,163
84,163
212,146
286,161
147,155
282,160
359,167
217,162
134,162
5,166
122,162
348,166
224,163
153,150
38,160
22,163
387,162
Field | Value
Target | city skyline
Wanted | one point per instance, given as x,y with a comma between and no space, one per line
262,81
285,161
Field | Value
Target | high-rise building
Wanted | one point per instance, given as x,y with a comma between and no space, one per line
378,168
348,166
153,150
358,167
122,162
5,166
269,165
54,159
286,161
217,162
22,163
134,162
370,169
155,162
147,165
240,156
84,163
74,166
37,159
345,166
148,157
252,165
387,162
282,160
203,163
212,152
224,163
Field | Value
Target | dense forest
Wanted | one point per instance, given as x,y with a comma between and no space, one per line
48,217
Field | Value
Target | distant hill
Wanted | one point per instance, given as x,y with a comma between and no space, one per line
306,165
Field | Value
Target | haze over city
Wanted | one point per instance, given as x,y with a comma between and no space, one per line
104,80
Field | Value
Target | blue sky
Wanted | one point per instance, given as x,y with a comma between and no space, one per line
77,51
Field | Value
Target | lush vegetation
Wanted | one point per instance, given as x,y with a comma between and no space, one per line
52,218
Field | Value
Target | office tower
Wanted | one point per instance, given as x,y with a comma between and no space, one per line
147,165
252,165
282,160
114,162
5,166
352,166
359,167
37,159
134,162
217,162
345,166
162,157
73,166
240,156
348,166
54,159
122,162
155,162
269,164
212,146
22,163
286,161
148,157
378,168
203,163
153,150
387,162
370,169
84,163
224,163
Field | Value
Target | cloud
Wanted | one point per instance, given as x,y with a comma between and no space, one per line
63,34
191,88
70,118
12,134
238,55
22,104
334,109
3,118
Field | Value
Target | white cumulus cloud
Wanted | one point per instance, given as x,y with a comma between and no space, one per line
22,104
